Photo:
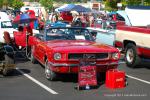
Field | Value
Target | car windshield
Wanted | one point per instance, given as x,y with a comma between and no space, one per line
68,34
6,24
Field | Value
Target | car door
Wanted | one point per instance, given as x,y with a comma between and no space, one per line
40,49
35,47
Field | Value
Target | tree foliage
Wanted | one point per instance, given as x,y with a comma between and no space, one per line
4,3
1,3
147,2
136,2
70,1
17,4
133,2
112,4
48,4
34,0
10,2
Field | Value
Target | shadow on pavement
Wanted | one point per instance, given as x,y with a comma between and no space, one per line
144,64
73,78
68,78
15,72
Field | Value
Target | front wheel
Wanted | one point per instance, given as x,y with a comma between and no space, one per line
131,57
50,75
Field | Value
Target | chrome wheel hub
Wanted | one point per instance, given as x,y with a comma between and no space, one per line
47,72
130,55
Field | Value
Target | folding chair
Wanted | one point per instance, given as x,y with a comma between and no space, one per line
20,40
7,38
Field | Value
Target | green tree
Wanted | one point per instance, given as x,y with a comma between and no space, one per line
17,4
84,1
34,0
10,2
48,4
1,3
111,4
4,3
69,1
133,2
147,2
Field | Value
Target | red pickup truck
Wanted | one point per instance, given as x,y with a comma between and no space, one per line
134,38
135,42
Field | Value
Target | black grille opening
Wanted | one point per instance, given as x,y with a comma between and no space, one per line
77,56
102,55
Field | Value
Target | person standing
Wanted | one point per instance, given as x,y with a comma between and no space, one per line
91,19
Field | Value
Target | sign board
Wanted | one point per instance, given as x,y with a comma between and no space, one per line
96,6
87,76
119,4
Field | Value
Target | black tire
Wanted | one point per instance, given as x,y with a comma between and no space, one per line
8,61
131,57
49,74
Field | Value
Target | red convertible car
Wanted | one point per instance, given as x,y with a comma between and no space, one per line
61,50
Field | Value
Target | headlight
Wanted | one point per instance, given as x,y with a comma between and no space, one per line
115,56
57,56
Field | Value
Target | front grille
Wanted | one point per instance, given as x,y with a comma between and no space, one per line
97,56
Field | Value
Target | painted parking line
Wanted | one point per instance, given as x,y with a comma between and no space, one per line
141,80
135,78
37,82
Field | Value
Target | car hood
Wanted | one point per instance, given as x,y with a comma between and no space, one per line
78,46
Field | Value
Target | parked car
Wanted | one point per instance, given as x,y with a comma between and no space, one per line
61,50
133,38
5,25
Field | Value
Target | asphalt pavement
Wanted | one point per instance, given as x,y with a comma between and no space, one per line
28,82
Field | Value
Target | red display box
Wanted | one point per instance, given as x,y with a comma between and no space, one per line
115,79
87,76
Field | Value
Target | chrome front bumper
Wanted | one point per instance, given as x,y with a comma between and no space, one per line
75,65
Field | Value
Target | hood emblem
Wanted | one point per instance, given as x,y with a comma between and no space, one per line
89,56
